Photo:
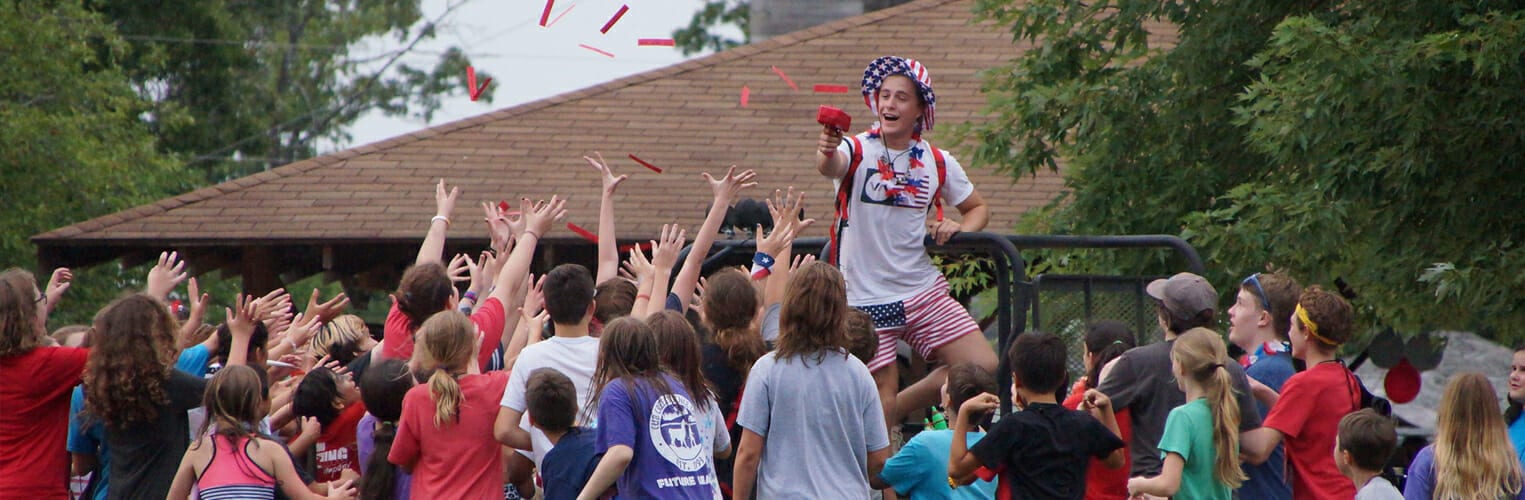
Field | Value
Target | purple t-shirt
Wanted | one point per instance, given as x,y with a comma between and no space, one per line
670,459
365,433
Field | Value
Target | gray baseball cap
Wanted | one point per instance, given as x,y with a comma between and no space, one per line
1185,295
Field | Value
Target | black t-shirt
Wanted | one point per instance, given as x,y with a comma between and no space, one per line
728,384
1043,451
146,455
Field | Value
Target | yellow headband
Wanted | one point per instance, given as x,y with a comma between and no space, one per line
1302,315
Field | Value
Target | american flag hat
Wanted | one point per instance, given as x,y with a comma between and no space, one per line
887,66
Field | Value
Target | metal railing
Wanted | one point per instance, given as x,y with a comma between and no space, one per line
1016,296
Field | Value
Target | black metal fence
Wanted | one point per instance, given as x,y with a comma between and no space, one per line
1061,304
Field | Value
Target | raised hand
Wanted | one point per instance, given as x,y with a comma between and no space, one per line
786,207
460,268
165,275
665,253
326,311
800,261
498,229
637,265
58,283
303,328
611,181
444,202
534,295
539,218
726,188
241,319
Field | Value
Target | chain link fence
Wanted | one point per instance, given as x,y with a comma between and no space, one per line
1064,304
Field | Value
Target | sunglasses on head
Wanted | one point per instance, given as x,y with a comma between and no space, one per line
1254,280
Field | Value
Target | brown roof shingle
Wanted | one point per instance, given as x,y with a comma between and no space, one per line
685,118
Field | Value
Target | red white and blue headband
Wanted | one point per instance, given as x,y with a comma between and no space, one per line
887,66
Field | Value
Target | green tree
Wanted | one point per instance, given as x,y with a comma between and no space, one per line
1371,143
699,35
73,144
240,87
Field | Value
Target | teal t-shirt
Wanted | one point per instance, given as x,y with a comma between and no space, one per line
920,470
1517,437
1189,433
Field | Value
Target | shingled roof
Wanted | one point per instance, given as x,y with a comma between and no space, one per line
684,118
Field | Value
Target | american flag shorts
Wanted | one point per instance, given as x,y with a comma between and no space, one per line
927,321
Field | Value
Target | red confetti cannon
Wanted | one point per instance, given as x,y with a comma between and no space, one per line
835,118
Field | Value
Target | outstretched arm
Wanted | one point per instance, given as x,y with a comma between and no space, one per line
726,189
434,242
828,161
608,244
663,255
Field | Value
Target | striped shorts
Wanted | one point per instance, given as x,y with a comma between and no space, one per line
927,321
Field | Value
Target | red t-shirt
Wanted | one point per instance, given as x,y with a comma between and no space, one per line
460,459
1103,483
1308,414
489,319
336,446
34,420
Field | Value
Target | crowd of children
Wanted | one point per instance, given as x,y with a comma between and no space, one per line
777,381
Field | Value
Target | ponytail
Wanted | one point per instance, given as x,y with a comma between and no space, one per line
1202,356
446,392
380,479
1220,396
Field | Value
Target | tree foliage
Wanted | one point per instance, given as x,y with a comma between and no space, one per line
1373,143
240,87
74,145
700,34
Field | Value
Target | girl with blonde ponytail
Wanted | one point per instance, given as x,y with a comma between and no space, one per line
1201,440
454,412
1471,457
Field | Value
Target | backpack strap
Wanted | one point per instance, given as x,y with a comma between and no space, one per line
844,190
942,178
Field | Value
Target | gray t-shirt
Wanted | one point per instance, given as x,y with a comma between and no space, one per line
820,417
1378,489
1141,382
769,328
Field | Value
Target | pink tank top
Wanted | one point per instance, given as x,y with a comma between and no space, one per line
231,474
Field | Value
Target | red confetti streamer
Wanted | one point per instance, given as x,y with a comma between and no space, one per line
643,163
615,19
595,49
471,82
830,89
502,205
546,14
562,14
584,233
786,78
656,42
746,95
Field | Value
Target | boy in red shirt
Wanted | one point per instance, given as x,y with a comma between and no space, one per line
1307,413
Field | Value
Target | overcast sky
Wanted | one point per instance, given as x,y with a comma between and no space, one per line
505,38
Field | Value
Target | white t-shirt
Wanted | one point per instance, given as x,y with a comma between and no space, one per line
574,357
714,436
882,255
